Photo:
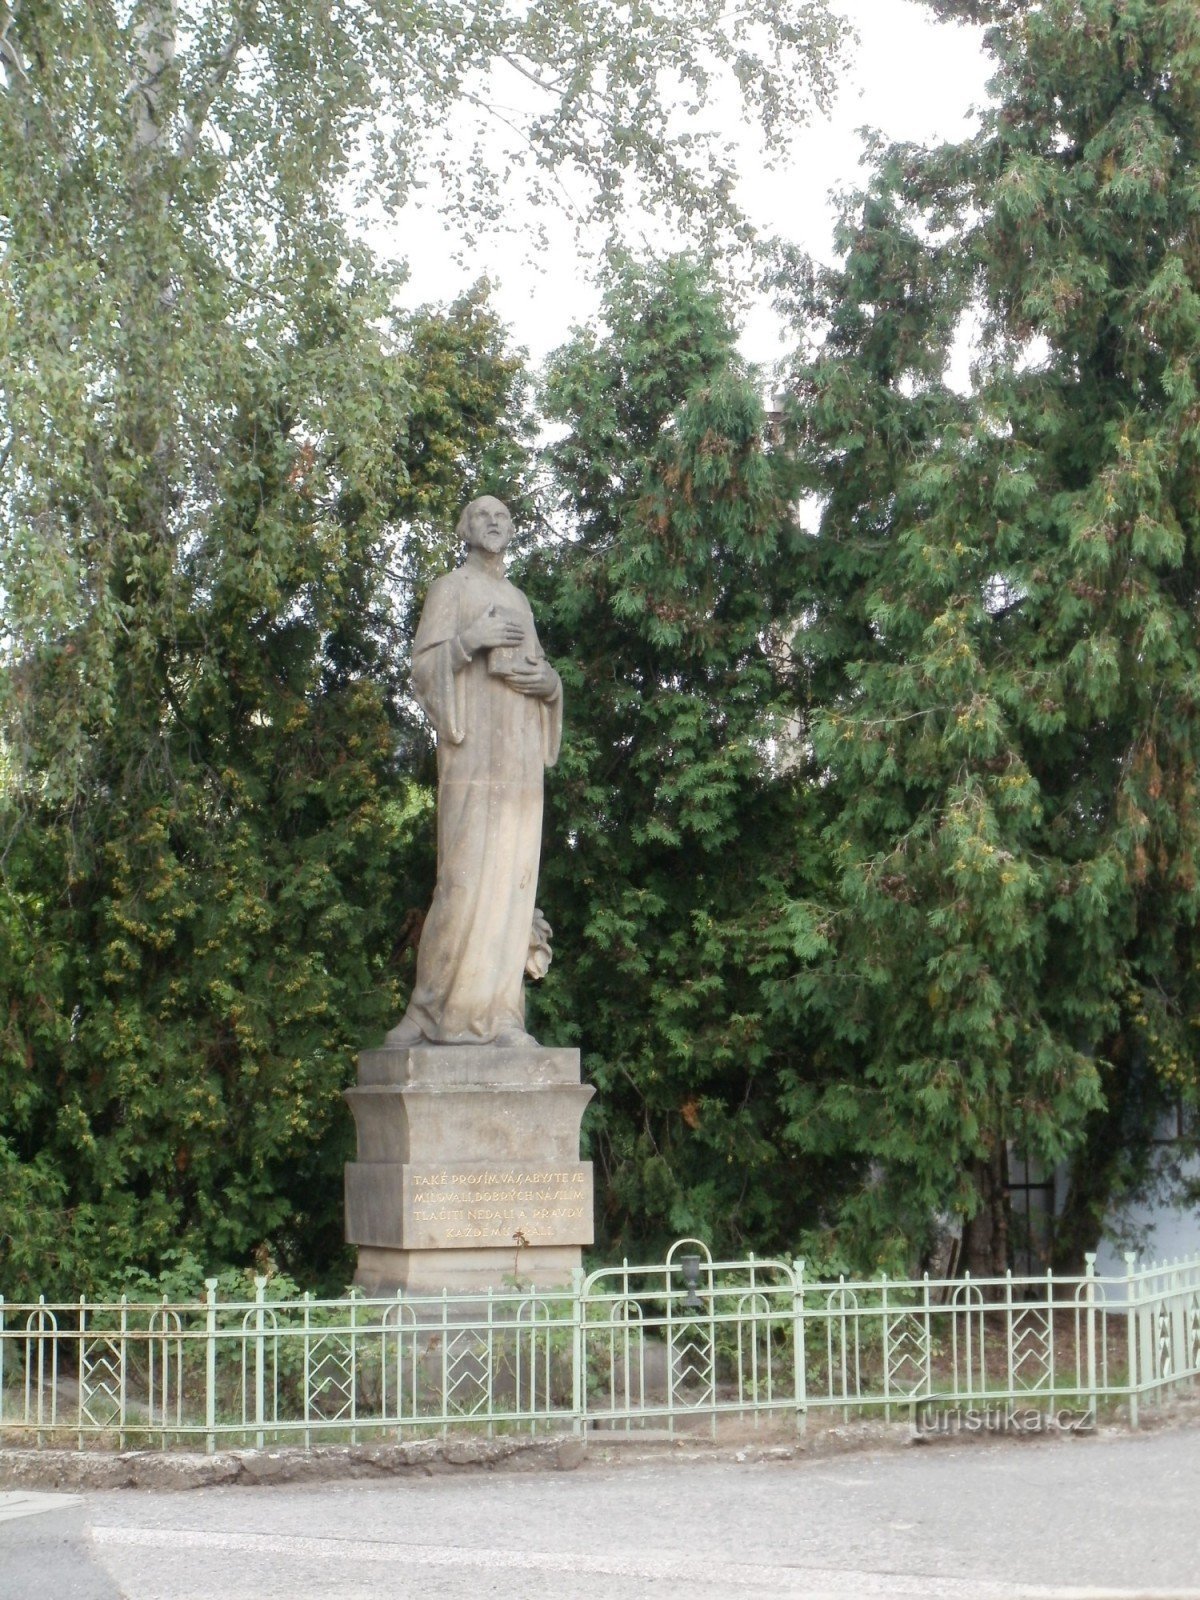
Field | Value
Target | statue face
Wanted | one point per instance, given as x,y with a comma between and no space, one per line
489,526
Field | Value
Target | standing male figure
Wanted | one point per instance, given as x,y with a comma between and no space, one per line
480,676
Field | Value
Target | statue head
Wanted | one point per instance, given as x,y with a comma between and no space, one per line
486,525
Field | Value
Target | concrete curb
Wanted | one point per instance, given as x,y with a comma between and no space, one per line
164,1470
177,1469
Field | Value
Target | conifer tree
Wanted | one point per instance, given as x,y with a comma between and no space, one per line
672,837
1003,597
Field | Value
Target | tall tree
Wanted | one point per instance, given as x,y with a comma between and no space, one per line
1003,598
192,960
673,840
216,436
173,188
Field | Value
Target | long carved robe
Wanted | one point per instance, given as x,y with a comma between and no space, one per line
493,744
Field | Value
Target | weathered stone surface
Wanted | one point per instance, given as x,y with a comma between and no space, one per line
179,1469
476,1066
383,1271
468,1174
468,1207
537,1123
482,679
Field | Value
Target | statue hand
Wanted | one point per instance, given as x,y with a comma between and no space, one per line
496,628
533,677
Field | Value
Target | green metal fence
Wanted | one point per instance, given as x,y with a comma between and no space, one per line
689,1342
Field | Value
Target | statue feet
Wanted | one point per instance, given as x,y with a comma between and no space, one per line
405,1033
408,1033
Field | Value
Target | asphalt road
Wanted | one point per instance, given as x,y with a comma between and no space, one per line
1102,1516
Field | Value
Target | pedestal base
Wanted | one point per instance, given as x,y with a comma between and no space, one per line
468,1174
429,1272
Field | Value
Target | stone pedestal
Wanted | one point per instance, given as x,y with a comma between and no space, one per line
468,1173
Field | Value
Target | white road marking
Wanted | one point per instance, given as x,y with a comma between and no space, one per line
16,1503
813,1582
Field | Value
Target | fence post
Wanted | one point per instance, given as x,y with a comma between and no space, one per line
1051,1367
399,1303
260,1359
927,1312
124,1369
1131,1316
844,1328
307,1369
799,1352
1010,1369
444,1354
81,1366
577,1373
30,1393
355,1295
1179,1338
1090,1284
887,1352
210,1365
3,1348
491,1362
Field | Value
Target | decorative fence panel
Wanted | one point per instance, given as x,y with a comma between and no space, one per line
687,1343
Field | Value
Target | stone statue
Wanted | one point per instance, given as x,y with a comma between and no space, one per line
479,674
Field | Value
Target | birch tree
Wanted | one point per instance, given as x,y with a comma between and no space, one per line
217,436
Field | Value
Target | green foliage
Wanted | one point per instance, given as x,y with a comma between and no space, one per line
672,835
1003,595
204,935
227,464
870,850
207,852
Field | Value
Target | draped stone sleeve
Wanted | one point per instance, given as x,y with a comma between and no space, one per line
437,660
552,723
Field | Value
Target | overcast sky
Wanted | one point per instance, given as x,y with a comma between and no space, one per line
911,77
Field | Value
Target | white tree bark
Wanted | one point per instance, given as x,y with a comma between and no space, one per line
155,33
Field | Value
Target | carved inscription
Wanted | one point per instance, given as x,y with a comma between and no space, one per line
500,1205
